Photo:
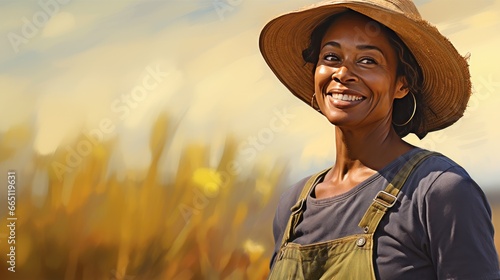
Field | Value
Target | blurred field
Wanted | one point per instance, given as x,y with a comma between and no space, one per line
206,223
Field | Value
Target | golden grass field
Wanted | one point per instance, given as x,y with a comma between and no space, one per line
206,223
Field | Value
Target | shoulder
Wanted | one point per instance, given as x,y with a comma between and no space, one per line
291,195
456,217
439,163
443,190
287,200
441,175
439,183
283,210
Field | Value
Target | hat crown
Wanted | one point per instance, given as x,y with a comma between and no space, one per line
406,7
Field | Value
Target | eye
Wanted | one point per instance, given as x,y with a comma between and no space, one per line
331,57
367,60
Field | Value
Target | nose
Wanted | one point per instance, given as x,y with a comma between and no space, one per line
343,75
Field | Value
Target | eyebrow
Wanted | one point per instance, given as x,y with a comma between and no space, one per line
359,47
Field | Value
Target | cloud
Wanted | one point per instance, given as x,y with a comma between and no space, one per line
441,11
59,24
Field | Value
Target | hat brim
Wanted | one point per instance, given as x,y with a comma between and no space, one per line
446,85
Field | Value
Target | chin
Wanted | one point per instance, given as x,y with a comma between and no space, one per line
335,118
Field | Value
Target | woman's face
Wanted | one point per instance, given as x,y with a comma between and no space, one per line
355,78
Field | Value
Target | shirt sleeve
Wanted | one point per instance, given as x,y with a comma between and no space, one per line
460,231
282,215
277,239
279,223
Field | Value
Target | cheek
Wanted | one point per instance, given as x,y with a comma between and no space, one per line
321,76
321,70
380,82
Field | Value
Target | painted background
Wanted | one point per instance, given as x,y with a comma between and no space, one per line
150,139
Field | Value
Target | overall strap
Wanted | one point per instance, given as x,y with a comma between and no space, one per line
385,199
299,206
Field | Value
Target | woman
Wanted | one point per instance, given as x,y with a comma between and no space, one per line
385,209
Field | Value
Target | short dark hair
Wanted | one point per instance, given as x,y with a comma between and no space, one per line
407,67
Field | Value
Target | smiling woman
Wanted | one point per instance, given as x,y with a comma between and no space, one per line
385,209
405,108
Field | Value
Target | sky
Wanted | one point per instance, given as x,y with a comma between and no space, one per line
107,69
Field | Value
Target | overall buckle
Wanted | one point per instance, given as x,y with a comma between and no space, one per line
385,199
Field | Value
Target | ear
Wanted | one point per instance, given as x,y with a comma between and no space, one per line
401,89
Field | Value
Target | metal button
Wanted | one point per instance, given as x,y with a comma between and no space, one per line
366,229
361,242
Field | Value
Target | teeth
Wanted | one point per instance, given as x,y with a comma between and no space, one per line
345,97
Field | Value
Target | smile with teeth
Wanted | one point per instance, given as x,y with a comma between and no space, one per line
346,97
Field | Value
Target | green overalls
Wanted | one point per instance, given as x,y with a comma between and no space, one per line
350,257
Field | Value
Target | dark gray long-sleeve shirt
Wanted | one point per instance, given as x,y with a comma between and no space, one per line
440,228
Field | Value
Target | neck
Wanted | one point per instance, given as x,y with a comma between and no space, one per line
362,151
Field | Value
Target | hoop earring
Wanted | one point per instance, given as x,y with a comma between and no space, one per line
312,103
412,114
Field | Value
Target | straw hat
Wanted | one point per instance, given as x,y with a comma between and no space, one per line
446,80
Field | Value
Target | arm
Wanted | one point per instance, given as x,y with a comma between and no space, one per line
287,200
460,233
